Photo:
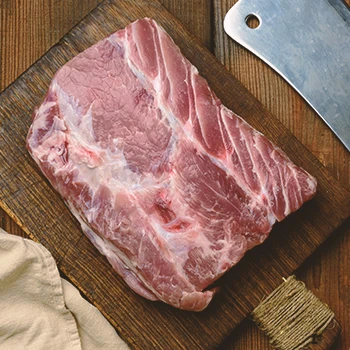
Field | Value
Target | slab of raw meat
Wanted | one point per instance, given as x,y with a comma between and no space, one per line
166,182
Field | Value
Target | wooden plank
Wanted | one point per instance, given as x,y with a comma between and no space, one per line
195,16
30,27
325,273
280,98
10,226
30,200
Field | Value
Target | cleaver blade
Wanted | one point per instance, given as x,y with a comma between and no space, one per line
308,44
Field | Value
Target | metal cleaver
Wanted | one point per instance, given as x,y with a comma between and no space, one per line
308,43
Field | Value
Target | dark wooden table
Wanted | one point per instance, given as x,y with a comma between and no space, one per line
28,28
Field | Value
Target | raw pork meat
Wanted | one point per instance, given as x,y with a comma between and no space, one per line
166,182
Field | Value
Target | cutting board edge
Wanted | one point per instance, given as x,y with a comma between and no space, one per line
28,231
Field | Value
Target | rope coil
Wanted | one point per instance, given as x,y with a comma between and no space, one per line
292,316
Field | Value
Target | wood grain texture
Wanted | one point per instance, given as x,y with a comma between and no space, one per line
7,224
327,272
280,99
248,336
325,340
46,218
318,270
30,27
196,16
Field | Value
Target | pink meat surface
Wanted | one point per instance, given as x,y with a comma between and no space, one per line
171,186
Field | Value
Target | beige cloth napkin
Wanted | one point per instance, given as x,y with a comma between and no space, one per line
40,310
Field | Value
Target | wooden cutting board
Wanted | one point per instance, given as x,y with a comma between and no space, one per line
28,197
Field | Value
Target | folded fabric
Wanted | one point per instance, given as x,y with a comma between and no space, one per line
39,309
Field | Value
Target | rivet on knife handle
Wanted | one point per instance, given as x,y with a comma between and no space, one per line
308,43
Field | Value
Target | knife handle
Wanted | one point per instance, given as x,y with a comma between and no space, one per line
294,318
